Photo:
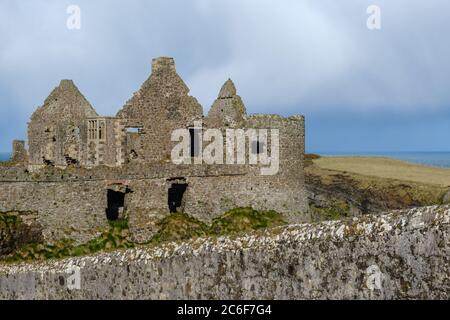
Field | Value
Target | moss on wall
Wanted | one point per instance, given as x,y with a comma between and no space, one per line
175,227
179,226
115,238
245,220
14,232
336,209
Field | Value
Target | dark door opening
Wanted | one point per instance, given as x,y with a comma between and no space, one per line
175,198
116,201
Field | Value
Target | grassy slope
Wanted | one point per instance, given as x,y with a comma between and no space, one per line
384,184
387,168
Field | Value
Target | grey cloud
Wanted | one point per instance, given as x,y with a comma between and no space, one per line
285,56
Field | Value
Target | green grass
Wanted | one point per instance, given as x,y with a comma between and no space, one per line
179,226
115,238
243,220
337,209
9,222
174,227
387,169
388,184
119,224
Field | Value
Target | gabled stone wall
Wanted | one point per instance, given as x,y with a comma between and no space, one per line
162,105
57,130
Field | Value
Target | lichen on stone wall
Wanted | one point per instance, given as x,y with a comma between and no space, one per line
400,255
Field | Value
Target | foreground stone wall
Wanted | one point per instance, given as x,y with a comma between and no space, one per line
405,254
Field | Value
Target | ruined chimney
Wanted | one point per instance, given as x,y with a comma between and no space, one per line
228,90
19,154
66,83
163,64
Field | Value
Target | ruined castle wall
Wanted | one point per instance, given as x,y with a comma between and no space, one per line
292,141
146,205
162,105
211,190
228,110
67,130
209,197
283,190
110,149
57,130
102,144
402,255
19,153
65,210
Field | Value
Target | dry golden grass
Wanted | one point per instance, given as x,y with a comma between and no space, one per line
387,168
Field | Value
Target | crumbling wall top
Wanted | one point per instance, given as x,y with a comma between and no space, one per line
228,110
228,90
66,100
162,64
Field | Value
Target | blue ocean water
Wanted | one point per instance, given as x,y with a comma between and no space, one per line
437,159
4,156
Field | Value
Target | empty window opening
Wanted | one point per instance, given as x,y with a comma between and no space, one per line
92,129
257,147
175,197
133,130
100,132
195,141
116,203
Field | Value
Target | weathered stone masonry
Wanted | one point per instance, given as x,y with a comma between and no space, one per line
80,163
401,255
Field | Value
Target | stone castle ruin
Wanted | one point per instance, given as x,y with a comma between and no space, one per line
82,169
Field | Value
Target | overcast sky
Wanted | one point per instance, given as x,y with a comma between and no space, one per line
360,89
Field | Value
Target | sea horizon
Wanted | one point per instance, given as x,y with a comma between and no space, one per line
430,158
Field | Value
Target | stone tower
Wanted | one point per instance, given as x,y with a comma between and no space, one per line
228,111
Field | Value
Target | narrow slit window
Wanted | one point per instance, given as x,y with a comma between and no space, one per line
195,141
